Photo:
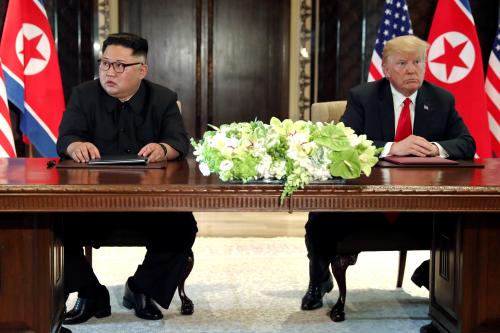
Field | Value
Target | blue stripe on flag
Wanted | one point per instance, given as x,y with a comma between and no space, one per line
496,44
16,92
36,133
466,4
38,136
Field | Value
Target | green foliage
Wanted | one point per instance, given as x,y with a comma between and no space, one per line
296,152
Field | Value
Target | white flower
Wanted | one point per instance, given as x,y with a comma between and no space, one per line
354,140
298,138
264,167
205,170
278,169
226,165
224,144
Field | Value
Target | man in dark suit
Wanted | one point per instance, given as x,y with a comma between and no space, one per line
121,113
406,116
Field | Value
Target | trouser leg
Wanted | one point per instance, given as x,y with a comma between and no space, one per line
321,246
81,229
78,274
168,247
159,275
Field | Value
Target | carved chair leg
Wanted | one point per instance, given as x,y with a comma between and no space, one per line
339,268
401,268
187,307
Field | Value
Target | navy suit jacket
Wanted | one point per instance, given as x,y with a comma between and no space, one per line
370,111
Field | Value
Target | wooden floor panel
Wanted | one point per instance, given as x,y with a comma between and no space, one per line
251,224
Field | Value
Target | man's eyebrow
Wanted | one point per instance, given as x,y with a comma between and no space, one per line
123,61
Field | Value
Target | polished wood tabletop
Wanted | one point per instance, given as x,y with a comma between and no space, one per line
27,184
466,245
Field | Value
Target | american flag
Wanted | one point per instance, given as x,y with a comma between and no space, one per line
395,22
7,147
492,86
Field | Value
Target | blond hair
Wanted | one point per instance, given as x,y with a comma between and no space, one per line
405,44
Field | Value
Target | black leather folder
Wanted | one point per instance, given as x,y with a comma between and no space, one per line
114,162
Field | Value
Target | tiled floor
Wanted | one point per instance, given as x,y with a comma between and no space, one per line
252,281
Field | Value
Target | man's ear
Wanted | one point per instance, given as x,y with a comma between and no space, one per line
144,70
385,70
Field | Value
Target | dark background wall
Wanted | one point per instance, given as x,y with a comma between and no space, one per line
227,59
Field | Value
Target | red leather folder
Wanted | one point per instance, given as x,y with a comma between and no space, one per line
415,160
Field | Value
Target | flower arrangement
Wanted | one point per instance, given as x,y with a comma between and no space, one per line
294,152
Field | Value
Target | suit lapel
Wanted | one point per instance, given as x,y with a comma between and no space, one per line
423,113
386,110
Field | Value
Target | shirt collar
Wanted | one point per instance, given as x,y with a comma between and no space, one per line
136,102
399,98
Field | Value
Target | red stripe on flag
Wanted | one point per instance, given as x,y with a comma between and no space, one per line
375,73
492,109
495,81
6,136
5,144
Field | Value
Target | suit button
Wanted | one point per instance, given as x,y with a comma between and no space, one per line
128,151
122,130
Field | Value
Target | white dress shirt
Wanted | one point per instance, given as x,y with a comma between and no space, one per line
397,101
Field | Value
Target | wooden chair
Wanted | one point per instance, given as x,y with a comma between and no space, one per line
390,239
328,111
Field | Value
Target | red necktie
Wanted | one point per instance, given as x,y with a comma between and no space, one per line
402,131
404,124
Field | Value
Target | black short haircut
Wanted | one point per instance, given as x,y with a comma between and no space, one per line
138,44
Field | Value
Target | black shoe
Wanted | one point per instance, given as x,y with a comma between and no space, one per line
86,308
64,330
143,305
421,275
429,328
313,298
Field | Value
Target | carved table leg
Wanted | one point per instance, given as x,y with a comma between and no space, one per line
339,268
187,307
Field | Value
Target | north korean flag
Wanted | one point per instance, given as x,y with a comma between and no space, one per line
31,70
454,63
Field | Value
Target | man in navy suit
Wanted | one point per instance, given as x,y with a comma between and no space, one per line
406,116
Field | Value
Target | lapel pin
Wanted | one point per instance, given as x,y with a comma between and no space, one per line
426,107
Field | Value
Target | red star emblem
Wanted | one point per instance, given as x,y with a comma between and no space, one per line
30,49
451,57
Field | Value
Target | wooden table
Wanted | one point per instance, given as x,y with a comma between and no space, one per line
465,285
